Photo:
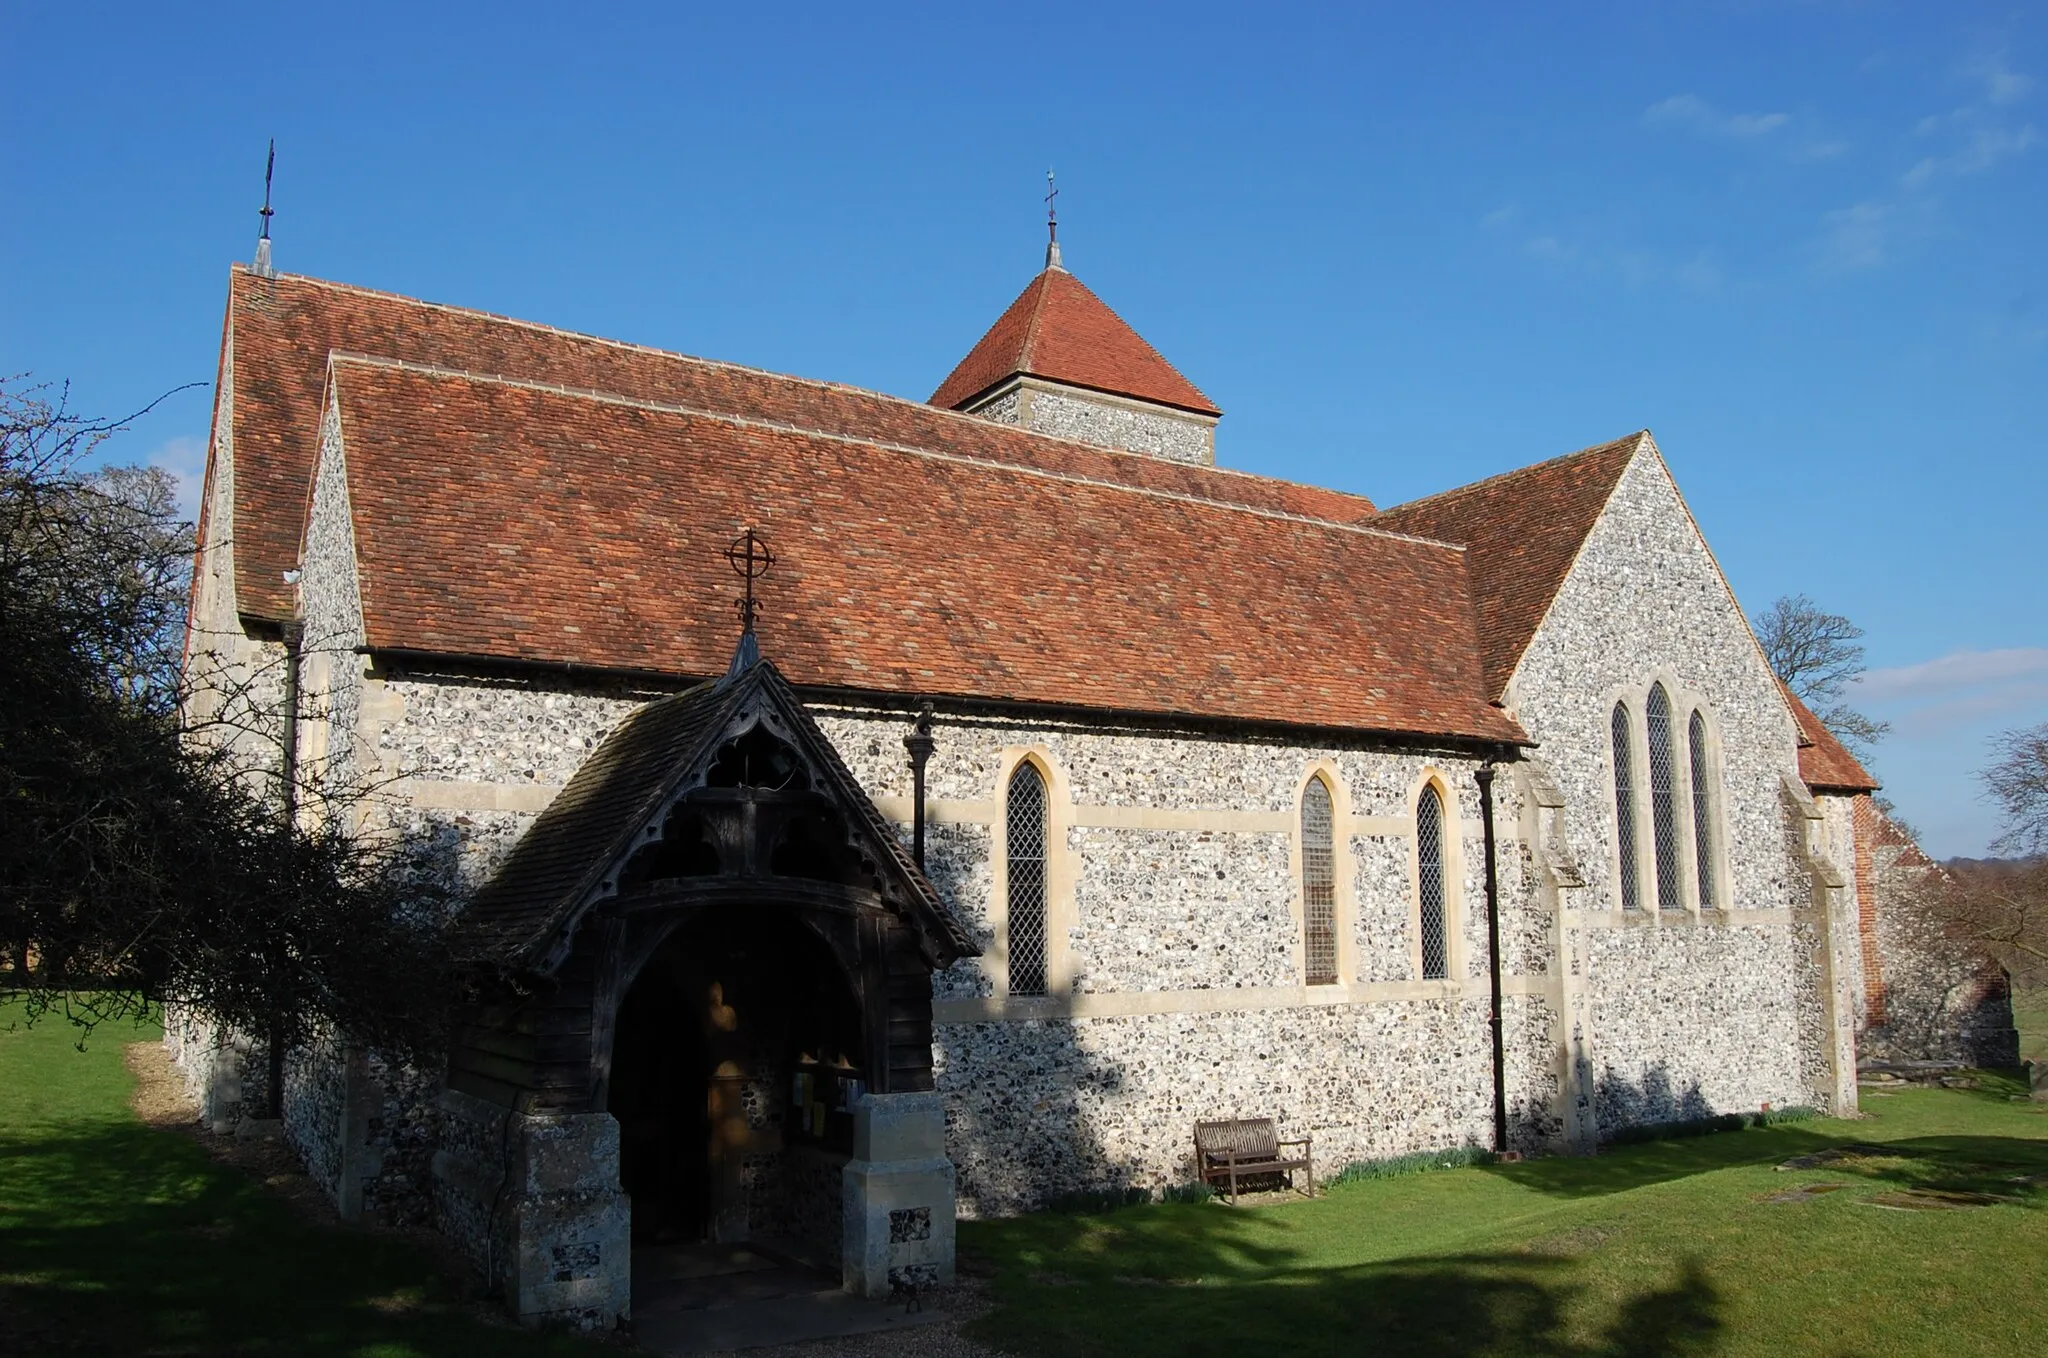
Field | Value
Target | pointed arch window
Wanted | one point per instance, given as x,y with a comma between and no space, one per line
1318,885
1024,848
1664,798
1429,877
1625,808
1702,810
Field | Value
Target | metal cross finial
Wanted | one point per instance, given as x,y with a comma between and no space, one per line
750,559
269,166
1052,208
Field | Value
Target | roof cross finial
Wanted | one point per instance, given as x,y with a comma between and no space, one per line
263,265
750,560
1052,223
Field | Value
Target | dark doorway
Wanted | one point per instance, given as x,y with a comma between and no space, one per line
660,1069
736,1064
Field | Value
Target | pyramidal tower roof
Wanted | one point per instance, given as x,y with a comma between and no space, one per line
1060,331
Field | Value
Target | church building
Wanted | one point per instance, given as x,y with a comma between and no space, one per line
875,812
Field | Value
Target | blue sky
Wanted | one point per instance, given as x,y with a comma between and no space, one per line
1402,246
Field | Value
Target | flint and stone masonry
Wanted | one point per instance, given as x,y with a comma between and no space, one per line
1176,927
1105,420
1176,986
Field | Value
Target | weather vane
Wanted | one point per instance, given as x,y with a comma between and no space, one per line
750,560
1052,208
269,166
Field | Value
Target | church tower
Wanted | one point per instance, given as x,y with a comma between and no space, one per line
1059,361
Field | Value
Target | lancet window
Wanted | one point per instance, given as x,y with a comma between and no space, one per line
1625,808
1429,877
1025,849
1664,798
1318,885
1703,818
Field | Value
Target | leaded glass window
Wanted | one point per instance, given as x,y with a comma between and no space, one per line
1702,810
1429,863
1625,807
1318,885
1664,798
1025,845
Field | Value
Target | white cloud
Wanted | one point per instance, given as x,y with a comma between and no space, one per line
1700,273
1980,148
184,457
1697,115
1860,236
1964,142
1955,671
1961,689
2002,85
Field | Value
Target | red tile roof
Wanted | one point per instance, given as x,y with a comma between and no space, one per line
1059,330
282,330
1825,764
1524,529
504,519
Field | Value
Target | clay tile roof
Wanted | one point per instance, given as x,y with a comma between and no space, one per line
1524,530
505,519
1825,764
1060,330
282,330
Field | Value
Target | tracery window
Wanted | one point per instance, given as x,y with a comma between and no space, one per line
1625,807
1429,876
1702,810
1664,798
1318,885
1025,853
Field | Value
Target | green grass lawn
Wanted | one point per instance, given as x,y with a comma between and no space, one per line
1662,1248
117,1238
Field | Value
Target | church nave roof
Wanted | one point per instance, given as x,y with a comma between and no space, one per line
509,519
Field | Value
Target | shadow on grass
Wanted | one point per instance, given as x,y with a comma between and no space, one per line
1214,1293
123,1239
1977,1162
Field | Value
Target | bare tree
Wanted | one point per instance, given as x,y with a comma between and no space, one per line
2017,782
2001,907
1817,656
139,865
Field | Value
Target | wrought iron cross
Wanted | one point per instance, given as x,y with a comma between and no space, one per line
268,167
1052,208
750,560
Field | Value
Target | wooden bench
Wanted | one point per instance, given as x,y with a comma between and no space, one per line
1243,1148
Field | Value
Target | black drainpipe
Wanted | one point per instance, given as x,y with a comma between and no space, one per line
920,744
1484,776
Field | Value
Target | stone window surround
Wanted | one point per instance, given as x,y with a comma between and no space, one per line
1343,866
1062,916
1062,874
1453,841
1684,701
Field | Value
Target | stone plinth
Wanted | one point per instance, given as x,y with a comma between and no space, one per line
898,1225
544,1220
